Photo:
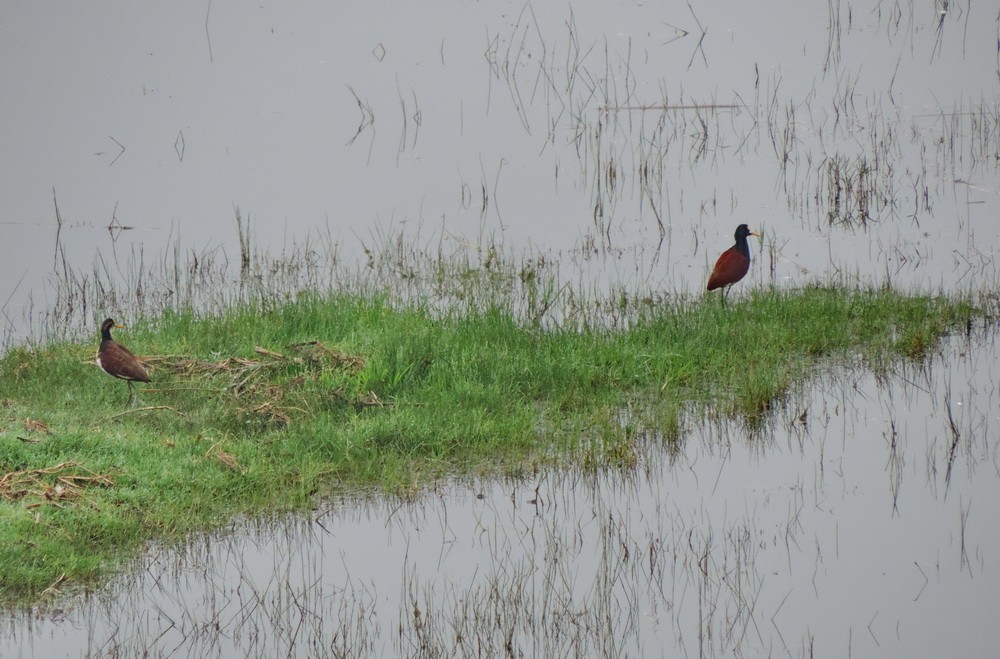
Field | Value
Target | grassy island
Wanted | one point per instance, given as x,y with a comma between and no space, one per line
268,406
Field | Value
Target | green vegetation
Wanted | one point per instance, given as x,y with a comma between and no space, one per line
267,406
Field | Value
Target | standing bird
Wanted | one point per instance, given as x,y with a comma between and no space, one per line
734,263
118,361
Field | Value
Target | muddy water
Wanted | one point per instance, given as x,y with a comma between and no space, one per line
856,523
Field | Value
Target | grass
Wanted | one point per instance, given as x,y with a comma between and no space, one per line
269,405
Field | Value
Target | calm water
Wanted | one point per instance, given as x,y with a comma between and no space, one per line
862,138
625,141
842,529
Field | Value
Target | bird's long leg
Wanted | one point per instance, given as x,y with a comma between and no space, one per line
131,394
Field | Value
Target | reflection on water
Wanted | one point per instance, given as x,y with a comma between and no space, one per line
854,523
623,144
862,138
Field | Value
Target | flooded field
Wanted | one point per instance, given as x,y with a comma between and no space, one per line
617,146
850,525
623,142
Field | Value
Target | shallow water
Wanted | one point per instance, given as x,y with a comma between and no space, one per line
842,528
623,142
862,138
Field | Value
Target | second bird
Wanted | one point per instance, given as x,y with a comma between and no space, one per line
734,263
118,361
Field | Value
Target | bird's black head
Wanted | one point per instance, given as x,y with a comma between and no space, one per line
106,327
743,231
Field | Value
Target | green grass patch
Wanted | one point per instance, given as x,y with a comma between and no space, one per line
267,407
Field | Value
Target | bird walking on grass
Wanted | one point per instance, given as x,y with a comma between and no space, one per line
734,263
118,361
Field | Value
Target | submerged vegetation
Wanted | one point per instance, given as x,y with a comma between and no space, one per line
271,403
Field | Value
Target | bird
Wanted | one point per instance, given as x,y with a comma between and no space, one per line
734,263
118,361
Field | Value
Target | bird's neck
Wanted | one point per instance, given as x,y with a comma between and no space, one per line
742,246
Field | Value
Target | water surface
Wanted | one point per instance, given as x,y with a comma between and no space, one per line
850,525
623,142
863,138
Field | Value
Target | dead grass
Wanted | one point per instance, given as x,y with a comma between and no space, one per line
54,485
254,387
